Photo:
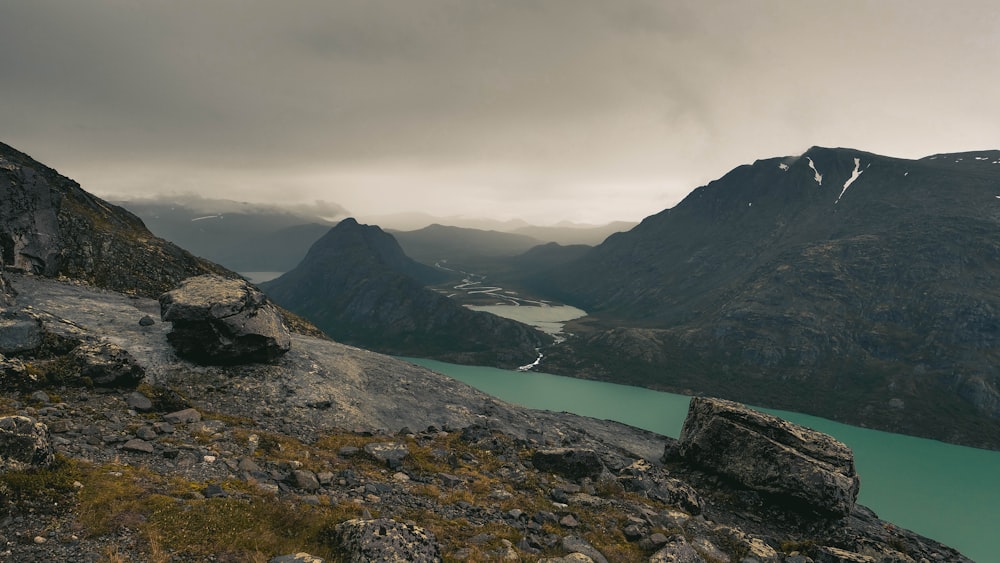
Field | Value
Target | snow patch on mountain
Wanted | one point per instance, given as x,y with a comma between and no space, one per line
818,177
855,174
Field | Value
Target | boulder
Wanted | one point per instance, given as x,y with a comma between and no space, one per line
573,463
107,365
220,321
383,539
677,550
24,444
770,455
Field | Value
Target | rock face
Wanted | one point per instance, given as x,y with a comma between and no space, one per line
387,540
50,226
358,286
223,321
770,455
7,292
24,444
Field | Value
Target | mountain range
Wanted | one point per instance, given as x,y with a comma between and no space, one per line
841,283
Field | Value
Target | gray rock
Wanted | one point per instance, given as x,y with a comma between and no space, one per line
40,397
14,375
219,321
770,455
185,416
389,453
19,333
147,320
386,540
303,479
107,365
677,550
138,402
138,445
145,433
574,463
577,544
24,444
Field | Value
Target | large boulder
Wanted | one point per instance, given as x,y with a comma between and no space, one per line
24,444
770,455
223,321
383,539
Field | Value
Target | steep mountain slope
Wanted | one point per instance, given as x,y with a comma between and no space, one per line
840,283
358,286
50,226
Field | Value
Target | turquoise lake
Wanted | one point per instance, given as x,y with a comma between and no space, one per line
945,492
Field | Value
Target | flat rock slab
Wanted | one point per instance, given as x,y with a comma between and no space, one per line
767,454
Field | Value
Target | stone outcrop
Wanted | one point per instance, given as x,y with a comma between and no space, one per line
222,321
24,444
106,364
387,540
770,455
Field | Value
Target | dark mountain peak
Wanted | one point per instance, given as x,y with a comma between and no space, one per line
50,226
356,243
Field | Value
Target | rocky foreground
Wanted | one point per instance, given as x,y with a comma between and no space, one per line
115,448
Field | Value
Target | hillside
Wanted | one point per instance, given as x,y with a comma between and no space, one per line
50,226
358,286
459,245
840,283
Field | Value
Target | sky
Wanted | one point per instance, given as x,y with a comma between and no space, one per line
548,110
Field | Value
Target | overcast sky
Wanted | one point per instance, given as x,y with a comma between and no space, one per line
582,110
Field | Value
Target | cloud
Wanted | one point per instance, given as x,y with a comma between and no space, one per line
464,106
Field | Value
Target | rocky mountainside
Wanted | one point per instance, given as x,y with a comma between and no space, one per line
50,226
841,283
347,455
358,286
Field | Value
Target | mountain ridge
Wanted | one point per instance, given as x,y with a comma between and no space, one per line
792,273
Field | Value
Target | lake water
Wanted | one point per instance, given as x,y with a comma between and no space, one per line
261,277
547,318
946,492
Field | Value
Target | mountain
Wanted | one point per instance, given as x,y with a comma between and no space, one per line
460,245
839,283
570,234
360,288
242,236
50,226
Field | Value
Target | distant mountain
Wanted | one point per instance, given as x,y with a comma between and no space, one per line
50,226
357,285
572,234
840,283
241,236
456,244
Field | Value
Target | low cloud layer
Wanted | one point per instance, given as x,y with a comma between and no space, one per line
576,109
